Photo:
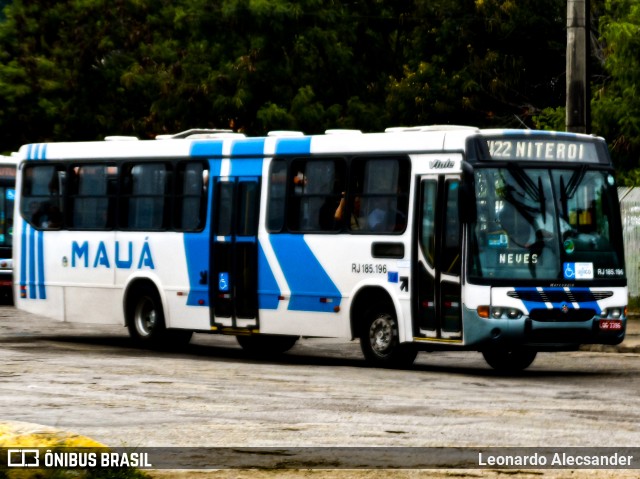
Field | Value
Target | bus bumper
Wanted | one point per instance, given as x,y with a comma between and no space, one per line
541,335
590,332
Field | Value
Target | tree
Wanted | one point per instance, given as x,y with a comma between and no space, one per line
616,102
484,62
83,69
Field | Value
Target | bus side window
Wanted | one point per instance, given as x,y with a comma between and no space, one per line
379,196
89,199
43,195
146,198
451,247
428,227
317,189
277,195
191,196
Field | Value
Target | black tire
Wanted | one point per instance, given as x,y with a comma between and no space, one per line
380,343
509,360
267,345
145,320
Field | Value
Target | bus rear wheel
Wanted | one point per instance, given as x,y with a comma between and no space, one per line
380,342
509,360
145,320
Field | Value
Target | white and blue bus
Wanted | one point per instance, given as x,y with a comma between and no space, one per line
7,197
507,242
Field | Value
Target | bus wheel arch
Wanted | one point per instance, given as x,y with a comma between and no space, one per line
374,321
145,317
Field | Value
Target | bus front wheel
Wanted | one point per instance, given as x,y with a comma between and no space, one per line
510,361
380,342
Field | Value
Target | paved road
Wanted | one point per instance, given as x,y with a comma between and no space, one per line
90,380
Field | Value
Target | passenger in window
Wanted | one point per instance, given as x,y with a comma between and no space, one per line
299,182
384,215
378,214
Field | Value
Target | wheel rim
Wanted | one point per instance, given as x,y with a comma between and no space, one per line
381,335
145,317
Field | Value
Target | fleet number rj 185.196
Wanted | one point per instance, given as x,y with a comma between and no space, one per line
368,268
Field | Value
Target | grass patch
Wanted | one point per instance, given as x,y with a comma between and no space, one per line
106,473
26,435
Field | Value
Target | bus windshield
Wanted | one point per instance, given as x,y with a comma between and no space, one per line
545,224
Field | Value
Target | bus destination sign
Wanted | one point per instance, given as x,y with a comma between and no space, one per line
543,149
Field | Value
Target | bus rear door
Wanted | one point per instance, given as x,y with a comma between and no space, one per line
234,259
437,290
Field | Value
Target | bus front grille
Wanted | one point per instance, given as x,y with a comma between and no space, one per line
559,295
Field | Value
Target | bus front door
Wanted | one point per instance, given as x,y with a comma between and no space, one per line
233,291
437,290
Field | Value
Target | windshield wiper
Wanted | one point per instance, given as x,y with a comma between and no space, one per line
575,180
531,190
524,181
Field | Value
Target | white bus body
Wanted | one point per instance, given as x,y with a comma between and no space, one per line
335,235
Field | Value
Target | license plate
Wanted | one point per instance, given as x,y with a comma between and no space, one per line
611,324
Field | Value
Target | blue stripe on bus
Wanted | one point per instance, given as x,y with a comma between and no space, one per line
248,147
23,257
311,287
244,239
37,151
247,166
41,280
208,148
268,290
293,146
32,265
196,245
531,305
32,271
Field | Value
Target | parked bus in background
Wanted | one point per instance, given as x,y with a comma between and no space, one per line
7,197
506,242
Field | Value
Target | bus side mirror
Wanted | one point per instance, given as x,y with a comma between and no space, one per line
467,196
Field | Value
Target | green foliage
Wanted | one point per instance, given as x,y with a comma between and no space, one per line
616,104
550,119
84,69
483,62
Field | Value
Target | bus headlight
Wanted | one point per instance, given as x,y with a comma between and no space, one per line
613,313
514,313
499,312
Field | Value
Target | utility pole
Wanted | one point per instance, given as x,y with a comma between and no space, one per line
578,106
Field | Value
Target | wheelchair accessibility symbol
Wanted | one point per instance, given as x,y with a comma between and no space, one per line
569,271
578,270
223,281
